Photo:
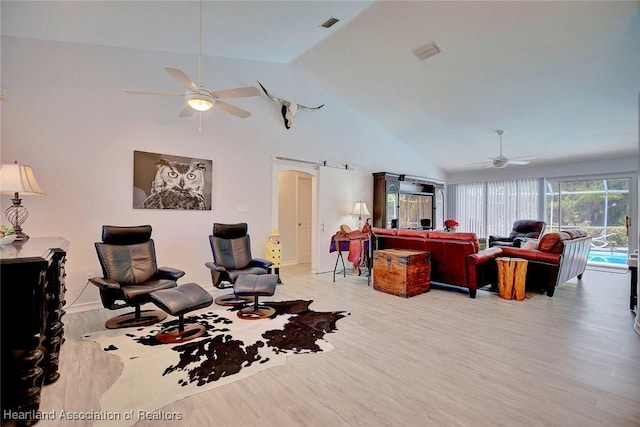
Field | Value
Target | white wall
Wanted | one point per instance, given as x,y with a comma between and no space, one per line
66,115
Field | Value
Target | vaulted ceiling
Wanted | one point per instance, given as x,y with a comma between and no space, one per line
561,78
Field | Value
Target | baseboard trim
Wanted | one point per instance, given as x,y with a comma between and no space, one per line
79,308
96,305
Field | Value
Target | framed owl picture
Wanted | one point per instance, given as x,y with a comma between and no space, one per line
163,181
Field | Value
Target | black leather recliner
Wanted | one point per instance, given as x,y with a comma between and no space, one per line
130,274
231,248
523,230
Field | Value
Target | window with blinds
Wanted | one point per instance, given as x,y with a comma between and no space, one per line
491,208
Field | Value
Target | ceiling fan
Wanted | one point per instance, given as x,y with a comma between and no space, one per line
501,161
197,96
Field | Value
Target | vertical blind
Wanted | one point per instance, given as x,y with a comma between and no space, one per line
470,207
491,208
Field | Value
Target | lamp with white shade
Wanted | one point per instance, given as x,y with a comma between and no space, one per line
360,209
18,180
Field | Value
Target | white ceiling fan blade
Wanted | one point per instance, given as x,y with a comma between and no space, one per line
239,92
519,162
523,158
184,80
480,163
232,109
148,92
186,112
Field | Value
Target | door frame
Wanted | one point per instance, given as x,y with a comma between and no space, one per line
303,177
312,170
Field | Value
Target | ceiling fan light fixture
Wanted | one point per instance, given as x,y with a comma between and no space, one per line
200,102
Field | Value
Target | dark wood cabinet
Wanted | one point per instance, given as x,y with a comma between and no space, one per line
386,199
401,201
438,207
32,274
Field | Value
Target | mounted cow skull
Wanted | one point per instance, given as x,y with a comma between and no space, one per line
288,108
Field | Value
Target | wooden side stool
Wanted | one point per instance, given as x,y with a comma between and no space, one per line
512,275
177,302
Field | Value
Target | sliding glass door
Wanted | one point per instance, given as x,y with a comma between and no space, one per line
598,206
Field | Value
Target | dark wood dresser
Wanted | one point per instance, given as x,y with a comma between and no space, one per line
31,296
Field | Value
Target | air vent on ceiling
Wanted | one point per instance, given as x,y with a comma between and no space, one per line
330,22
427,51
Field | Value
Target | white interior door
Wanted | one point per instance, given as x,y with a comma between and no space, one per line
303,215
335,191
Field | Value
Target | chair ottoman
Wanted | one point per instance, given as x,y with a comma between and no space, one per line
255,285
178,301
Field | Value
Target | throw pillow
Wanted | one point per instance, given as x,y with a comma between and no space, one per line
530,244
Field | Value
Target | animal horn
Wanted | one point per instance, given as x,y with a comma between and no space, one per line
266,92
310,108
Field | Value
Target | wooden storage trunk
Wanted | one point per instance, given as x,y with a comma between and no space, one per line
402,272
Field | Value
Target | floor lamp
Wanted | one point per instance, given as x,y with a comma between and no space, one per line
18,180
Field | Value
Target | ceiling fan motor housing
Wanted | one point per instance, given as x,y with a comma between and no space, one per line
500,162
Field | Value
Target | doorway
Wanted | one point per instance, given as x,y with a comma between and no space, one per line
295,216
329,205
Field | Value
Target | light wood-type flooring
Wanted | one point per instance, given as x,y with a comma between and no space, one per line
437,359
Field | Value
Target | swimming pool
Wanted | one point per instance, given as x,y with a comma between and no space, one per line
611,256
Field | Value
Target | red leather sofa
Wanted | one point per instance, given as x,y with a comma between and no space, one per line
455,258
558,258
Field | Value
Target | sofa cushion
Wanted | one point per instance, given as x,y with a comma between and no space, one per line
532,255
575,234
548,242
552,242
469,237
466,237
384,231
412,233
530,244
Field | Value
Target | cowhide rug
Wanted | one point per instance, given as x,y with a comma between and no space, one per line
155,375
